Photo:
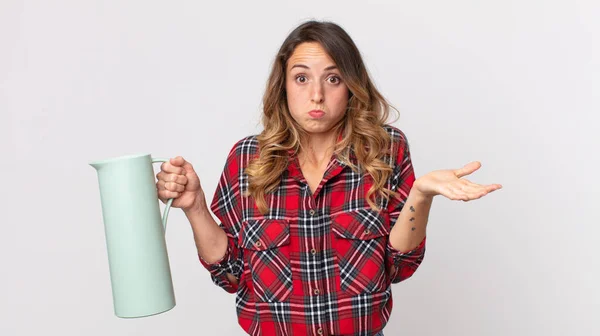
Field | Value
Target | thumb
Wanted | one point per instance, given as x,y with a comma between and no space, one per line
179,161
467,169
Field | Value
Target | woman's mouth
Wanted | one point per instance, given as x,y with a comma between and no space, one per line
316,114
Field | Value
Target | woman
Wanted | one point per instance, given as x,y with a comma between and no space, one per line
319,213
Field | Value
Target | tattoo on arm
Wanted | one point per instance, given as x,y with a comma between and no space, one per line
412,209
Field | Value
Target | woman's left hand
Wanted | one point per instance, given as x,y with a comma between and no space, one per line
450,184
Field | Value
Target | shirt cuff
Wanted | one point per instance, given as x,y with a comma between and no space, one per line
217,266
219,269
398,253
405,263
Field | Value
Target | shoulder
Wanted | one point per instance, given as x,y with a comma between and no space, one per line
399,142
397,135
246,146
241,153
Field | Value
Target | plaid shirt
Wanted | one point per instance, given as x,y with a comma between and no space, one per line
316,264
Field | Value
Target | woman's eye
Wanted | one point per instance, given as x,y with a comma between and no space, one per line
301,79
334,79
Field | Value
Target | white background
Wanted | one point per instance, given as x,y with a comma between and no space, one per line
513,84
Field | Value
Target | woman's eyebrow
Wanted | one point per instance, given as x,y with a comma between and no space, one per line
331,67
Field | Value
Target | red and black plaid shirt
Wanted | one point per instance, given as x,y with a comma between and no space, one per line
316,264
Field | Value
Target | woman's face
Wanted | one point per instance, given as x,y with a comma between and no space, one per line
316,95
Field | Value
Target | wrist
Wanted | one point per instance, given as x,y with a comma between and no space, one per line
198,207
199,216
418,196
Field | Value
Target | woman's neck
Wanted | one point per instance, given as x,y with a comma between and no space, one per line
317,149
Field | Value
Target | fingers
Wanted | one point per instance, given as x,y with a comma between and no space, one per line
493,187
177,178
170,186
169,167
171,179
467,169
170,189
166,194
179,161
478,187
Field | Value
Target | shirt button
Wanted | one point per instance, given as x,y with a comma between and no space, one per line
312,212
313,251
320,331
367,232
257,244
316,291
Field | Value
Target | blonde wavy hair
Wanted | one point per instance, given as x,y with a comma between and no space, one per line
362,125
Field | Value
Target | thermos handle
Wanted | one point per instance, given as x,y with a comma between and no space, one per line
169,201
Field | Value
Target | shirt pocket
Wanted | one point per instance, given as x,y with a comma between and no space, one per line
360,238
267,252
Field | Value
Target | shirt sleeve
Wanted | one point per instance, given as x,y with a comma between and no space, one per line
226,205
402,264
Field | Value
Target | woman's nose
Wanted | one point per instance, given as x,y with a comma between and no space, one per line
317,93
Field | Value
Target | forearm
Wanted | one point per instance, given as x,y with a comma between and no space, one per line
210,239
410,227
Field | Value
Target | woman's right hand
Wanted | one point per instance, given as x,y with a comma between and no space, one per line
178,180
